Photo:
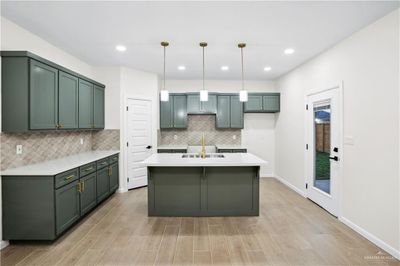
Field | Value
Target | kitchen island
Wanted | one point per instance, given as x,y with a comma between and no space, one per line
218,185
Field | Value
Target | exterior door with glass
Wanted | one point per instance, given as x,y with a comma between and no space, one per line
324,148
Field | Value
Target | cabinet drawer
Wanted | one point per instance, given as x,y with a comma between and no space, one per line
224,151
66,177
102,163
87,169
239,150
113,159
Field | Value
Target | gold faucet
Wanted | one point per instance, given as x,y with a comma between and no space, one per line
203,147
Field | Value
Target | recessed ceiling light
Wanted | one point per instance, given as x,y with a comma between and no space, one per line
181,67
120,48
267,68
289,51
224,68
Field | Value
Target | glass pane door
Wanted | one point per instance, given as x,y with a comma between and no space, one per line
322,146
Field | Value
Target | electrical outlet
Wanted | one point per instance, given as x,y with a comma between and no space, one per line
175,137
18,149
234,137
81,141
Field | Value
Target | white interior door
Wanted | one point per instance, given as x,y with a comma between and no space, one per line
139,137
324,148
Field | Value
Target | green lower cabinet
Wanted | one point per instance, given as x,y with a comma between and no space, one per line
102,184
114,177
67,206
88,195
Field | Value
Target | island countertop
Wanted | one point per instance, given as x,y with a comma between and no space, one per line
230,159
53,167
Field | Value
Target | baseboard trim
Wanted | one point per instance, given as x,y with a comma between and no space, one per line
3,244
262,175
292,187
377,241
122,190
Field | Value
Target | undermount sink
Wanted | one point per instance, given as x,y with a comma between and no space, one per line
207,156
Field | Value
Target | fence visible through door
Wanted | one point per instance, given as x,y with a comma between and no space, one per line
324,149
139,140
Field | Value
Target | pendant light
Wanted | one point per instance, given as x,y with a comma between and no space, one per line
203,92
243,96
164,94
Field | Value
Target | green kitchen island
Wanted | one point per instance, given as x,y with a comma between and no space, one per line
219,185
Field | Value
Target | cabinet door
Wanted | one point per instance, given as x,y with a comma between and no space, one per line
88,198
180,111
271,103
209,106
98,107
114,177
102,184
67,206
236,112
85,104
68,88
193,103
223,119
166,118
43,96
254,103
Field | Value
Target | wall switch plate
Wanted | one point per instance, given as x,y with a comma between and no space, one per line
234,137
81,141
175,137
18,149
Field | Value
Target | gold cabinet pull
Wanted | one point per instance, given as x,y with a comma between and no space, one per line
68,177
109,171
88,169
79,187
60,125
83,186
103,163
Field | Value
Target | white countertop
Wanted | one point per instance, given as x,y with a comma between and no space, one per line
231,159
172,147
60,165
230,147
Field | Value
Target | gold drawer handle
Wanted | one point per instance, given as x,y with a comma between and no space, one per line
79,187
103,163
88,169
83,186
68,177
115,158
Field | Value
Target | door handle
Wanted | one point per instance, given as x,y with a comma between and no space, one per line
335,158
149,147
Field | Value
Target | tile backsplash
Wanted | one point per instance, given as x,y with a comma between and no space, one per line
42,146
197,125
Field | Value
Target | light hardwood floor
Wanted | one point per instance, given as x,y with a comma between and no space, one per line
290,230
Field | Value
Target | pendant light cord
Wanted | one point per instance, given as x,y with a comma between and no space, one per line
164,67
241,52
203,69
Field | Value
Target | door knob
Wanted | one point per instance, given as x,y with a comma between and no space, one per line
149,147
335,158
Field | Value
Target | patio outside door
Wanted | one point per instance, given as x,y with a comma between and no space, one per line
324,148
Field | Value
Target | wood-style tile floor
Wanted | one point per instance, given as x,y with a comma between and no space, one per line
290,230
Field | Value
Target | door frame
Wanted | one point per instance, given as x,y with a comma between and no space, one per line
124,178
339,183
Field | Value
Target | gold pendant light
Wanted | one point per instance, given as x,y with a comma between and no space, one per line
203,92
164,94
243,95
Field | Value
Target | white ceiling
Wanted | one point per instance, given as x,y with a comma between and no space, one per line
91,30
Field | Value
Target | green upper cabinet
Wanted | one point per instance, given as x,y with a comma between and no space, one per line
271,103
262,103
229,112
98,107
43,96
180,111
223,119
195,106
38,94
85,104
68,87
236,112
173,113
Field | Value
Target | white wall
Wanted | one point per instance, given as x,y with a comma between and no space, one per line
258,134
368,64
